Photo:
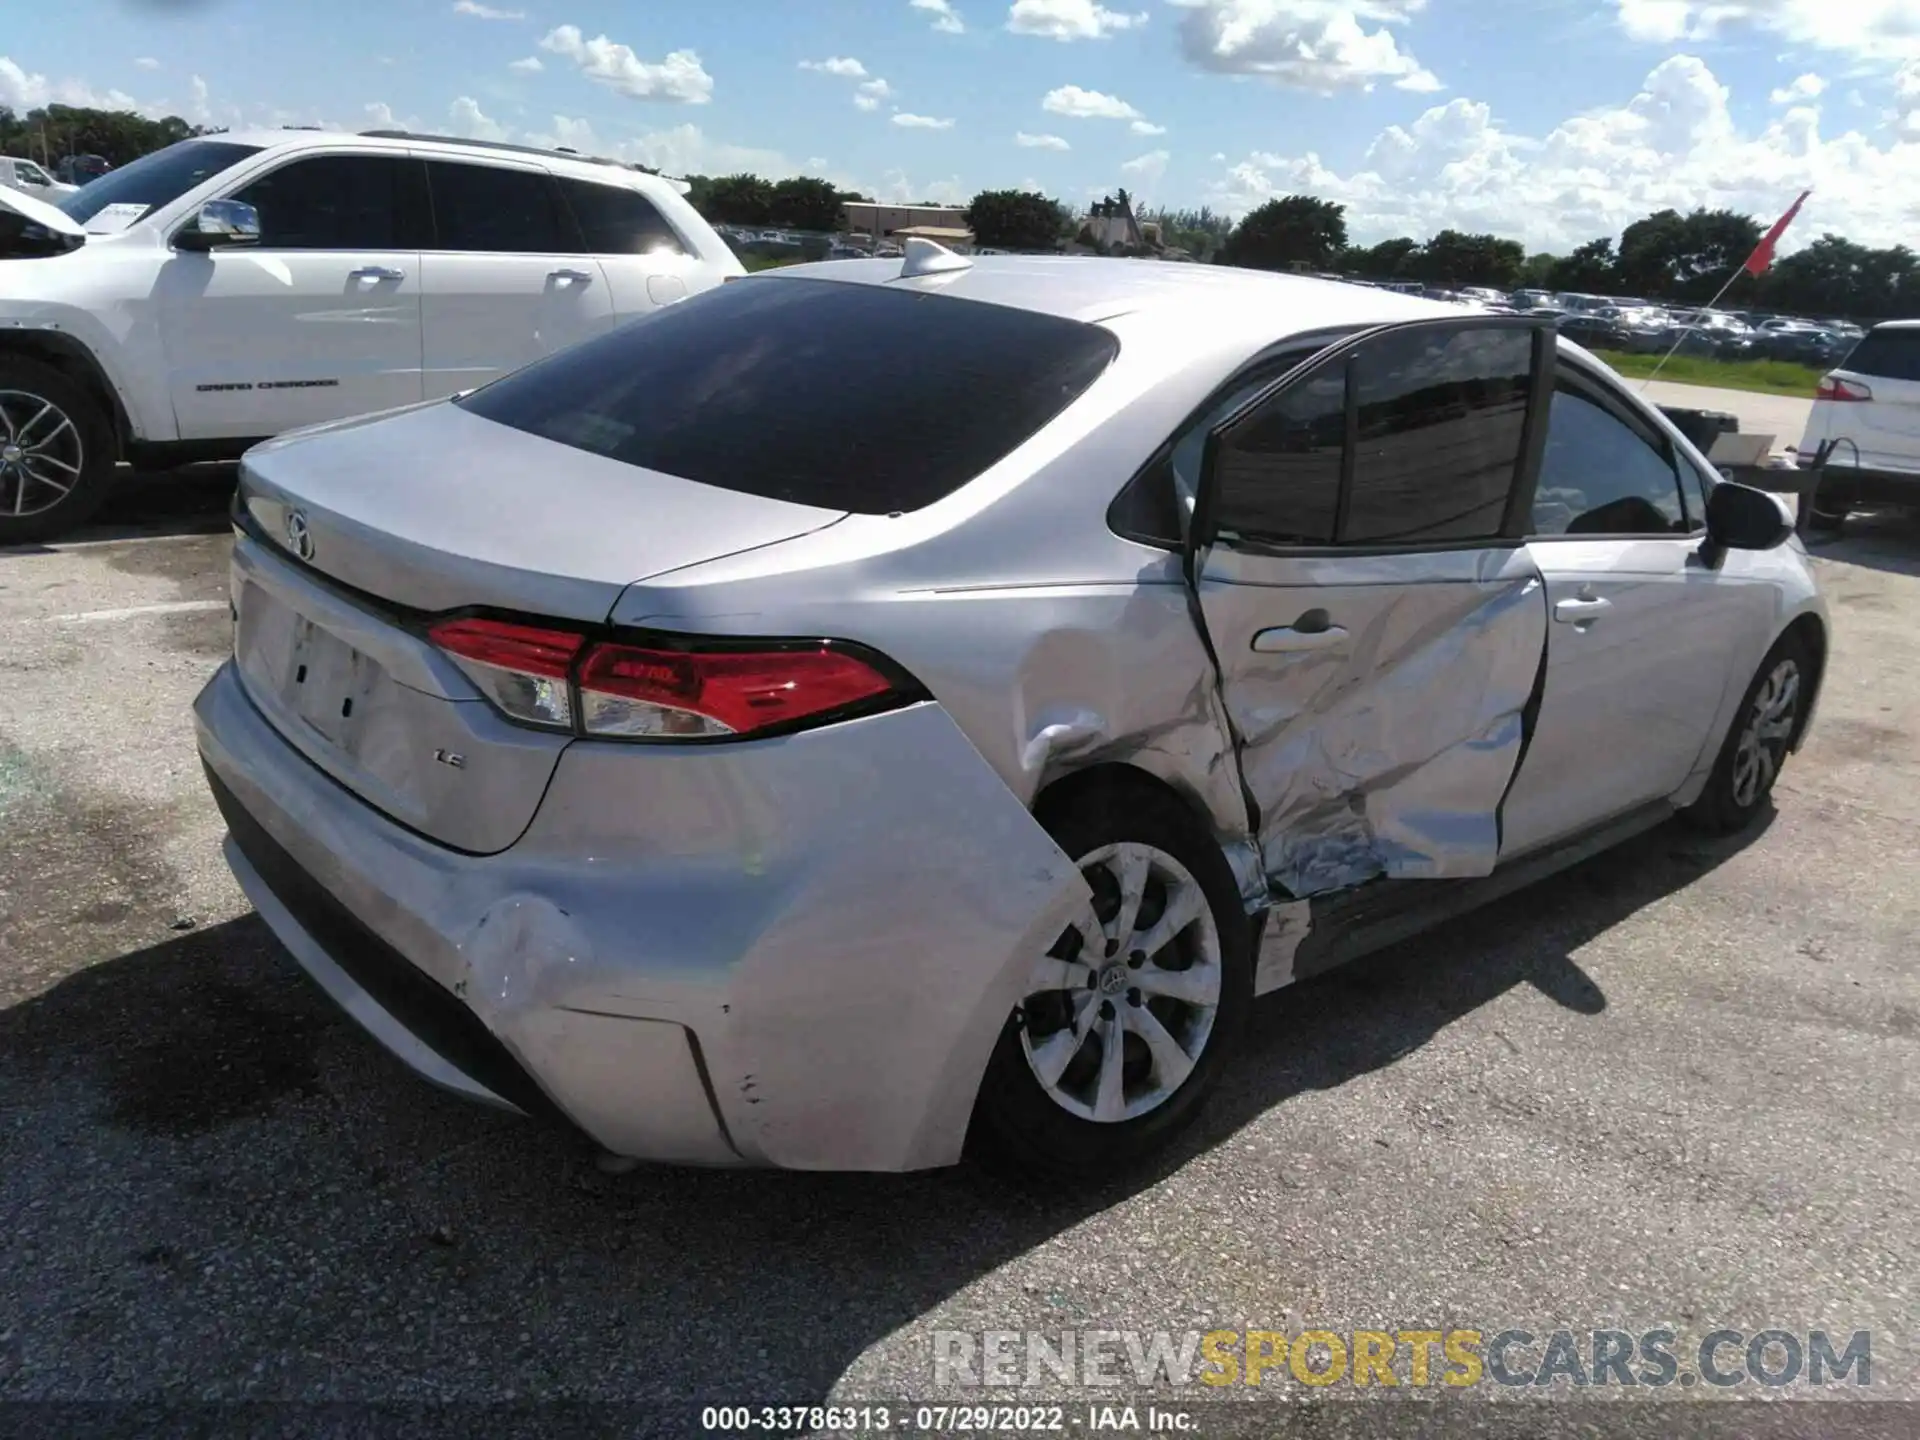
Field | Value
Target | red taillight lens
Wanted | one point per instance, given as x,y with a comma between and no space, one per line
524,669
629,691
1835,388
555,679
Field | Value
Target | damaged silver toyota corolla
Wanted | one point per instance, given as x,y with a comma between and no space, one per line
879,704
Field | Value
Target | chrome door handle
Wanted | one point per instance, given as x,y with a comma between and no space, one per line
579,276
1285,640
1582,611
376,272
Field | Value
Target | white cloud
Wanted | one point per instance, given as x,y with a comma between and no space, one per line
1871,30
1148,167
21,89
147,62
844,66
529,65
946,19
485,12
1147,127
1069,19
816,162
1674,144
1087,104
680,76
877,88
1316,45
1807,87
1906,101
198,109
380,116
920,122
469,121
1040,142
896,188
679,150
865,102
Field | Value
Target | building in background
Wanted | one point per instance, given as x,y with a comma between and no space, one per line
867,217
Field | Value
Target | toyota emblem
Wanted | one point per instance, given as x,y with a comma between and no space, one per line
299,537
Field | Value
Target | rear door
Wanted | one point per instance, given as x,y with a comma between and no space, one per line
1378,622
1886,427
1643,633
504,282
646,261
318,321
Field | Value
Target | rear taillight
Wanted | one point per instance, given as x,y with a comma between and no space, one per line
559,680
1832,387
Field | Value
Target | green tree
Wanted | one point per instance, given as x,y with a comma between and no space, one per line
1384,261
118,136
1294,232
1833,276
1685,257
736,200
1537,273
1016,220
1592,268
1455,258
803,203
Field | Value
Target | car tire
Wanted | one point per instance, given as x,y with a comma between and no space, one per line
53,433
1053,1130
1763,729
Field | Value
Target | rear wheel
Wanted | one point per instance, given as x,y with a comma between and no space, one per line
1756,746
56,452
1131,1011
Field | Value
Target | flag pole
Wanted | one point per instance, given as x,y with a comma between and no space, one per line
1738,271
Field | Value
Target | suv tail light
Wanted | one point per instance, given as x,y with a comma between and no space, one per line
1832,387
562,680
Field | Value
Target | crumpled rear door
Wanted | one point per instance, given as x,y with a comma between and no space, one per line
1378,624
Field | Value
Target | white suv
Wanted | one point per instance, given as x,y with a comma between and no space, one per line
227,289
1867,410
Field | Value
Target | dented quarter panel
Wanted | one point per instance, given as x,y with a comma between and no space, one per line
1388,752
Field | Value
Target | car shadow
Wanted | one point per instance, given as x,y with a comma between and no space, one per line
207,1055
192,500
1885,539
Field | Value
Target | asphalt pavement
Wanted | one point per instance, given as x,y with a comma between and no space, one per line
1673,1087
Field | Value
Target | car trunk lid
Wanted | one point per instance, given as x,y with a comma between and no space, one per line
357,534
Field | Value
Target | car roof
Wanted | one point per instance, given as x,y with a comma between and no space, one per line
584,167
1898,325
1092,289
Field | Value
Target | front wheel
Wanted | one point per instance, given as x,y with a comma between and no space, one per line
1132,1010
1756,747
56,452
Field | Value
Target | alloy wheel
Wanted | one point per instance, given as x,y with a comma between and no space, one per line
1121,1007
42,456
1768,729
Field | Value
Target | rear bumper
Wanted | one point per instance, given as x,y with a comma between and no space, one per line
1868,484
797,952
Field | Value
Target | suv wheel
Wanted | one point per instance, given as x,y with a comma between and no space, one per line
56,452
1133,1009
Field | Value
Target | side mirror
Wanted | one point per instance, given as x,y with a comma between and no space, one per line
220,223
1740,517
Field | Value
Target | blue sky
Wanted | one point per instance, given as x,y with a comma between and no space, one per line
1552,120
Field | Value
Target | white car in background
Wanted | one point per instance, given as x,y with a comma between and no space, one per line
1866,417
31,179
230,288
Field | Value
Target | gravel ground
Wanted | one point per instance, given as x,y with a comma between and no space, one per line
1675,1086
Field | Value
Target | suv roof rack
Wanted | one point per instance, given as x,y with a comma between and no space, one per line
493,145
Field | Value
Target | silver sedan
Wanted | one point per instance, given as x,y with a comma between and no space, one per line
881,707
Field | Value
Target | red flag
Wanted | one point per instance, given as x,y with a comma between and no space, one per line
1762,256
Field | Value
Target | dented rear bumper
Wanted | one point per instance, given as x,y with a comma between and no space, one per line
795,952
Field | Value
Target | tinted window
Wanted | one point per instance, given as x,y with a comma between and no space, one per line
850,397
156,179
616,221
1440,422
486,208
1601,477
1276,473
331,202
1892,354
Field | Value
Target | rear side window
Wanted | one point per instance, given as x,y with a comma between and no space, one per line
1437,419
819,392
493,210
617,221
1890,354
330,202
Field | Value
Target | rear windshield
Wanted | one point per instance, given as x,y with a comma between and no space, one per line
156,179
845,396
1891,354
